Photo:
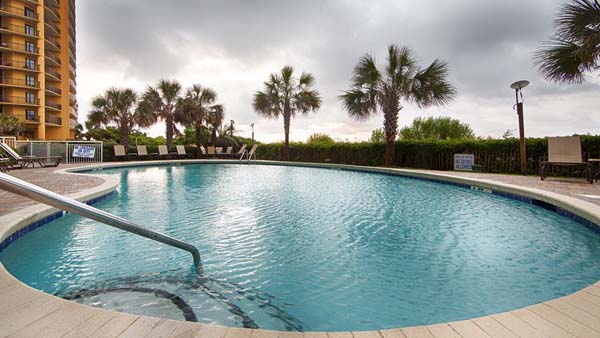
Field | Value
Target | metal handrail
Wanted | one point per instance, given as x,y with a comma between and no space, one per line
36,193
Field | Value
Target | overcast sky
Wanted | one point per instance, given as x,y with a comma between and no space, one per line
232,46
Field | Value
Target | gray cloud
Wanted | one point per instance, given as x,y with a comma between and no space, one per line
487,44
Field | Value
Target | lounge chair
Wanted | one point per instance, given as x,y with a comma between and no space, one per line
181,151
228,152
4,164
565,152
164,151
211,151
250,153
203,151
30,161
120,152
241,151
142,152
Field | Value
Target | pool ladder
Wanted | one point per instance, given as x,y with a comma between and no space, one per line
38,194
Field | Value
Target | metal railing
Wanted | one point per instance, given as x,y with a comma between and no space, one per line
53,89
20,100
20,82
19,29
9,140
53,105
66,149
38,194
53,119
53,73
19,46
19,11
20,64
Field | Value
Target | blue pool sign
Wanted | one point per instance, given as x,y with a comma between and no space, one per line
84,151
464,162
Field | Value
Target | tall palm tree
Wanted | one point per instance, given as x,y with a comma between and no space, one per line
118,107
214,119
575,48
285,95
383,89
193,109
161,102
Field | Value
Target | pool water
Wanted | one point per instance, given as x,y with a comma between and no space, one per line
307,249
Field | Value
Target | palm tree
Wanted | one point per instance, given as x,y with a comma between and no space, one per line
214,119
10,125
161,102
118,106
195,107
575,48
287,95
383,89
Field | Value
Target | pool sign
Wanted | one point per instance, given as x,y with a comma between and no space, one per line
464,162
84,151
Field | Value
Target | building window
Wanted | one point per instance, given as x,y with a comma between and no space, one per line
30,80
30,98
29,30
29,13
29,64
30,47
30,115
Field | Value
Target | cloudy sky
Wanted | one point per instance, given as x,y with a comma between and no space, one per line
232,46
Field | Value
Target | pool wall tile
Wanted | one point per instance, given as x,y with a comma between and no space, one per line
35,225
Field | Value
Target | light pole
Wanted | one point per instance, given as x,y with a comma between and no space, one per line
518,86
252,125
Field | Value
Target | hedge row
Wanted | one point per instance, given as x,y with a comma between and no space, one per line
494,156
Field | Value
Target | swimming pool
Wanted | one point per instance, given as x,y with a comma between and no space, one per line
309,249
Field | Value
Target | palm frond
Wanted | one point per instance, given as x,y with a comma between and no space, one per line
359,104
559,62
431,87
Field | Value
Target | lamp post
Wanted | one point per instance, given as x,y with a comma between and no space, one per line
252,125
518,86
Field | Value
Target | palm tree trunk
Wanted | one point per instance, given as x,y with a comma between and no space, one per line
286,128
198,129
169,122
390,124
124,136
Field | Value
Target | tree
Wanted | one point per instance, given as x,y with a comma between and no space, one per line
285,95
118,107
194,108
373,90
161,102
436,128
320,138
574,50
214,120
10,125
377,136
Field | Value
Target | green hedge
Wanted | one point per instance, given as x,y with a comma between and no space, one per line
495,156
109,151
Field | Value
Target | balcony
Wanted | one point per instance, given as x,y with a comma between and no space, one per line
52,29
53,74
53,106
19,65
51,13
54,59
18,47
53,90
19,100
19,83
52,45
73,124
51,119
19,30
32,118
72,98
18,12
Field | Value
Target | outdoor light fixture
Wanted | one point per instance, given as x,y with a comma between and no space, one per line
518,86
252,125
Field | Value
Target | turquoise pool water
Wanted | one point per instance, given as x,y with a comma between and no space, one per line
307,249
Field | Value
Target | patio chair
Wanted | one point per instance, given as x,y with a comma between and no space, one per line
181,151
227,153
211,151
142,152
30,161
163,151
120,152
203,151
250,154
565,152
241,151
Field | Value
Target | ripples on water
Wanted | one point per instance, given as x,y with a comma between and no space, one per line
311,249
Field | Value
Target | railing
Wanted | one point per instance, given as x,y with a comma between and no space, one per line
28,190
19,46
9,140
20,82
18,11
20,64
53,89
54,58
53,42
53,27
19,100
65,149
73,124
18,29
53,73
53,105
53,119
51,10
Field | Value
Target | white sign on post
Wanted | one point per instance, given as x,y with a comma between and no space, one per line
84,151
464,162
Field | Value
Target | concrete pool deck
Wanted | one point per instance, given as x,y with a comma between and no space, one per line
26,312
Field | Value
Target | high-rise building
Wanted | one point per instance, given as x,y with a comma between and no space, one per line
37,67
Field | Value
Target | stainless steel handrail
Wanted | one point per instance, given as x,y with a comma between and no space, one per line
36,193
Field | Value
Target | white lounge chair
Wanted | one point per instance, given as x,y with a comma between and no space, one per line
565,152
